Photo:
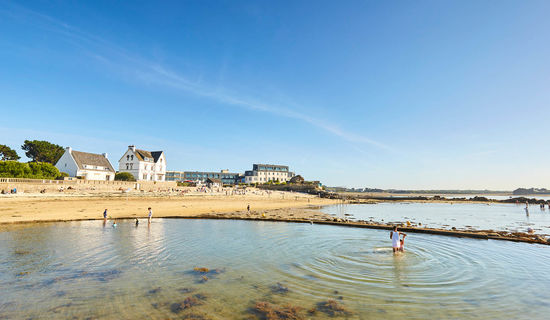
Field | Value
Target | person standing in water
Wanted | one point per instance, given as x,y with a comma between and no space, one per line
150,214
397,244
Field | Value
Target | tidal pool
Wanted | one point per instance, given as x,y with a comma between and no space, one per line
463,216
84,270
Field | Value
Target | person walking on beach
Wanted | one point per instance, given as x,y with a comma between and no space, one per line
397,244
248,208
150,214
105,214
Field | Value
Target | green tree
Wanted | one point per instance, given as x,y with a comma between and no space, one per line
32,170
7,153
42,151
124,176
62,175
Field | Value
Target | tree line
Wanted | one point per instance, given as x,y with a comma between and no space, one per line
43,155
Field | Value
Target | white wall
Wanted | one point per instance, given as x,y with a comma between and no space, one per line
97,175
135,164
265,176
67,164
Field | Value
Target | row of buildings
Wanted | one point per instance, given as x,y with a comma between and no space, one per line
260,173
151,166
143,165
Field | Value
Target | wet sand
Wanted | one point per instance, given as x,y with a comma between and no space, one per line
276,206
67,207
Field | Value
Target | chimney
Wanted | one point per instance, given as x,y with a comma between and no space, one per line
69,149
132,147
104,154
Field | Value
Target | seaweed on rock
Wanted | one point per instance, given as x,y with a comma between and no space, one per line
189,302
267,311
333,308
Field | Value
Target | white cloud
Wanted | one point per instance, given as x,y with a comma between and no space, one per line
151,73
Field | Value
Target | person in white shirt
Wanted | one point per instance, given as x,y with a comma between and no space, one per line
397,244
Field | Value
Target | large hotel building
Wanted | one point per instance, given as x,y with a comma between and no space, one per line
262,173
200,176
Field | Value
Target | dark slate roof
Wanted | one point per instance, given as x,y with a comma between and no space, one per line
156,155
142,154
91,159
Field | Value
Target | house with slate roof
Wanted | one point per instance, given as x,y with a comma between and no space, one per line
143,165
89,166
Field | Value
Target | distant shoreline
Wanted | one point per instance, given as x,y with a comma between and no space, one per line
359,197
276,206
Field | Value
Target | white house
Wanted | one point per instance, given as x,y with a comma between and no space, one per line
89,166
262,173
143,165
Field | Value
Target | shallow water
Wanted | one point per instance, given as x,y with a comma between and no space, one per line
84,270
496,216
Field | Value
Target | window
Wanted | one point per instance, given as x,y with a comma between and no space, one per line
127,166
132,157
127,157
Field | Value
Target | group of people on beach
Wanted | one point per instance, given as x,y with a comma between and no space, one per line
149,217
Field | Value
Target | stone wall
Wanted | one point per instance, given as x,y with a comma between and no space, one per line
37,185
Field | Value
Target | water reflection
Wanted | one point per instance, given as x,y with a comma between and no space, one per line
234,269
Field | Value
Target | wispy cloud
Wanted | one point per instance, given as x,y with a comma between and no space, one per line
152,73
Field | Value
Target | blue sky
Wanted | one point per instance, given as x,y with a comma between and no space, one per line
390,94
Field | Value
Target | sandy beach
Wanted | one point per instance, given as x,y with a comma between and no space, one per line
79,206
264,205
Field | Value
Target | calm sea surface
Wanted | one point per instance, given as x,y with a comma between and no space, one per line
496,216
84,270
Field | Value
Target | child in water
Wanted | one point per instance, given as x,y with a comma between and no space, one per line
397,243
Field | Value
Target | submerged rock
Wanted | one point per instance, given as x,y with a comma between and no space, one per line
279,288
200,296
154,291
268,311
194,316
186,290
189,302
333,308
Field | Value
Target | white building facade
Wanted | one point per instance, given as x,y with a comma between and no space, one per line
262,173
143,165
85,165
